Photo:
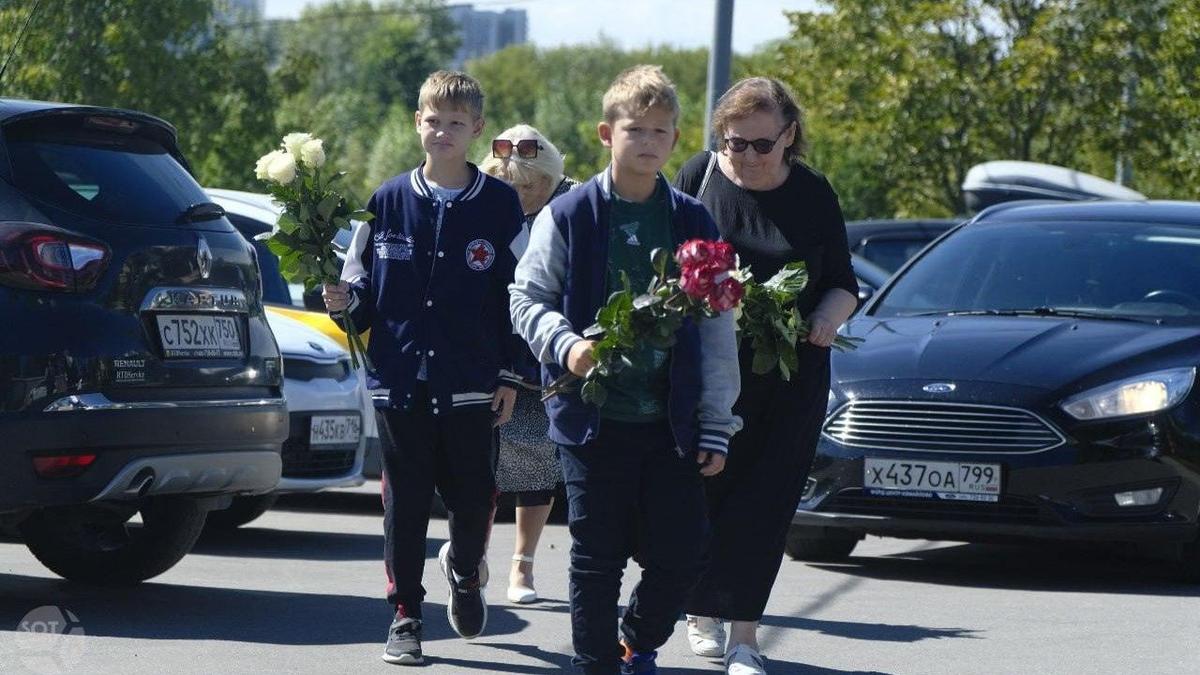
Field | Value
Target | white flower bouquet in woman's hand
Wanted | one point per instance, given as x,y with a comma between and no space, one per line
312,214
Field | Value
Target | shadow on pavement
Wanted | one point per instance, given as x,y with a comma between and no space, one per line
875,632
261,542
1078,568
332,501
155,611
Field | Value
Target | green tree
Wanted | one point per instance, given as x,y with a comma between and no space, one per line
346,65
169,58
904,96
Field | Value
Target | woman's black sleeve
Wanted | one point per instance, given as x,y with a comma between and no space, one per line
839,272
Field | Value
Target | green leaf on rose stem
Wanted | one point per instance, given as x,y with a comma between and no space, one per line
295,243
764,361
790,357
593,392
342,223
330,267
659,258
647,301
287,222
362,215
277,247
327,205
784,371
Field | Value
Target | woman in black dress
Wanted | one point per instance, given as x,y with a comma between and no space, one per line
774,210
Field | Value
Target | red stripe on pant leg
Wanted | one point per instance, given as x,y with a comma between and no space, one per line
384,492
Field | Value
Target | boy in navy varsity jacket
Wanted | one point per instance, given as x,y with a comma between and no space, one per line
632,467
429,276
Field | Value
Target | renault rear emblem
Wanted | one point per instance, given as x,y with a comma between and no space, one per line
204,256
940,387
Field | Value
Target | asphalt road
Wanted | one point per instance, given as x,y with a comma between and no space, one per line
300,589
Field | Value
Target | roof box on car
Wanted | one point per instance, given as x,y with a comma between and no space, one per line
1004,181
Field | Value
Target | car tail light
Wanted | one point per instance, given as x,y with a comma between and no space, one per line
62,466
47,258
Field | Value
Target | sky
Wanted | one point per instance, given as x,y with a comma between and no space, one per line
631,23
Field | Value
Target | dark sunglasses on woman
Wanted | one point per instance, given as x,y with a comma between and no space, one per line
761,145
502,148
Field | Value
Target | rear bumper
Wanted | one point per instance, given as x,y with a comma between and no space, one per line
201,447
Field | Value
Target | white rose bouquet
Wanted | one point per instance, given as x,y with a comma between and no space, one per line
312,214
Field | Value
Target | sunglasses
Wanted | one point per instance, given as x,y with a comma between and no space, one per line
502,148
762,146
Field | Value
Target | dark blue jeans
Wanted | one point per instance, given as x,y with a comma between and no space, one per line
629,490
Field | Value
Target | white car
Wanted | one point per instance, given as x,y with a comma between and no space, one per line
328,406
254,213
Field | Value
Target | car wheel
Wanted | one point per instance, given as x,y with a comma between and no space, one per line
241,511
100,545
820,544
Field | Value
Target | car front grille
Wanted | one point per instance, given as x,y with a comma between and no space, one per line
1010,510
929,426
301,461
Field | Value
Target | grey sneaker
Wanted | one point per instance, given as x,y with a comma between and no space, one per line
466,609
404,643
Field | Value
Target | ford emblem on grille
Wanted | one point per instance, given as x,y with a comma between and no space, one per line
204,256
940,387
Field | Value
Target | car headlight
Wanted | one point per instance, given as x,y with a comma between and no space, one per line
1139,395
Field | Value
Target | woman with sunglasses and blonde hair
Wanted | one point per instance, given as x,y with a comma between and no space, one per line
526,160
774,209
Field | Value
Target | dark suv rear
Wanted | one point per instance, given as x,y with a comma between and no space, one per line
137,370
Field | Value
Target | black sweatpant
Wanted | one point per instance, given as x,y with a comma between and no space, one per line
453,452
630,489
752,502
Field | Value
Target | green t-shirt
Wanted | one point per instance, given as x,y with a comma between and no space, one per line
639,393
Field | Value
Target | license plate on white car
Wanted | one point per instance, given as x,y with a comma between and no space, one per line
199,337
959,481
334,430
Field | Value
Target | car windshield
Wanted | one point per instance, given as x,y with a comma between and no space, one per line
1141,271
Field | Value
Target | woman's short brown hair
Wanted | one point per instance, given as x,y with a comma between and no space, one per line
761,94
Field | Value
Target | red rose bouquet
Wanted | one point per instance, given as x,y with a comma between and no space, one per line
708,282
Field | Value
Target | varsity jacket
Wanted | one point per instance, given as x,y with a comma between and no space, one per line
430,279
559,285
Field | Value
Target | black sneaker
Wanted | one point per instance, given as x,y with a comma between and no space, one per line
466,608
404,643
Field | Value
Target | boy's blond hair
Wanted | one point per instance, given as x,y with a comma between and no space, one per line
454,89
638,89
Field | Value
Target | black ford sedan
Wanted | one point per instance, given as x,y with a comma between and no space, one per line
1030,375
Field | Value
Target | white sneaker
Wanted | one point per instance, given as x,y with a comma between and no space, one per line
745,660
706,636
